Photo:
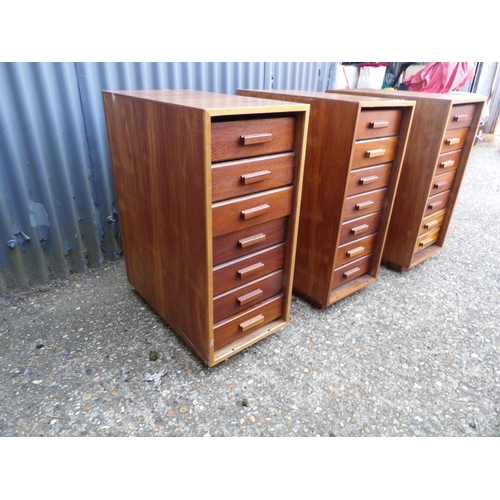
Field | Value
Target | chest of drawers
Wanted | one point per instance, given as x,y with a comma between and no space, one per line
441,138
208,191
353,160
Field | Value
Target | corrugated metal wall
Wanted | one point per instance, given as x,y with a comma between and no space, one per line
57,201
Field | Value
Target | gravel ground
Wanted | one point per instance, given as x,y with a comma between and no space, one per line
414,354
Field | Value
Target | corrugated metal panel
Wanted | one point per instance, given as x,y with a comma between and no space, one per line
48,224
57,195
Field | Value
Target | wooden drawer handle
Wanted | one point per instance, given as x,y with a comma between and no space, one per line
363,205
350,272
460,118
252,240
251,323
430,224
250,139
248,271
244,299
374,153
435,204
359,229
255,211
379,124
368,180
355,251
440,184
446,164
256,177
425,242
452,140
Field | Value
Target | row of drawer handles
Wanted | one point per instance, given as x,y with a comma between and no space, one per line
248,140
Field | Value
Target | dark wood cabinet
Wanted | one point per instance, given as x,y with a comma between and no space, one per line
354,154
441,138
208,190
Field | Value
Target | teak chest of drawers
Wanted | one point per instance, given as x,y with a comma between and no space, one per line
353,160
208,191
441,138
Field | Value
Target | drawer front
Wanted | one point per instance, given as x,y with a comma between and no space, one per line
461,116
361,204
427,239
243,297
247,211
243,177
356,228
368,179
240,271
447,162
442,182
350,271
374,152
454,139
437,202
246,138
236,326
240,243
355,250
432,222
378,123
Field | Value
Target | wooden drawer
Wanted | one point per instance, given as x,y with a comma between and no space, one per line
432,222
246,138
378,123
245,296
236,214
442,182
251,239
356,206
236,326
242,177
355,250
240,271
454,139
447,162
368,179
374,152
437,202
427,239
362,226
461,116
350,271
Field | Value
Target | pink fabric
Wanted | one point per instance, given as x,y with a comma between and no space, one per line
441,77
